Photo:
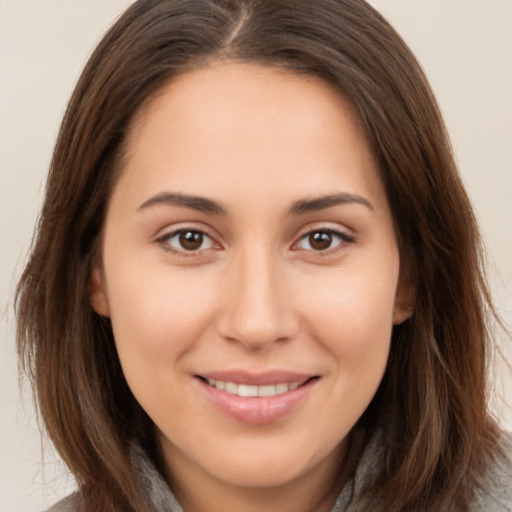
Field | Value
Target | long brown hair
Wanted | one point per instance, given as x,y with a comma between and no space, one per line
432,403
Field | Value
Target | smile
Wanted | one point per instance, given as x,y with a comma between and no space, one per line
245,390
257,399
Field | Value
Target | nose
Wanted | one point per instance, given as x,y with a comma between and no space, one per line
256,309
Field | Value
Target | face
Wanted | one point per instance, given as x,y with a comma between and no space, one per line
250,270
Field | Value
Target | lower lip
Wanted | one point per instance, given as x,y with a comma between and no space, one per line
257,410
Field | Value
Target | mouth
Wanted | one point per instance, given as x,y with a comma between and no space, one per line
257,399
253,390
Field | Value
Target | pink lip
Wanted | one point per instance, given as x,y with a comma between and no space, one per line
257,410
257,379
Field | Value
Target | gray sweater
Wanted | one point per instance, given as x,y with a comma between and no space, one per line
496,496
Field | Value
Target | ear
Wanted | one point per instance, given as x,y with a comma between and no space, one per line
97,293
404,299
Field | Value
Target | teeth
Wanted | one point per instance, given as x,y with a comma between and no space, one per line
244,390
252,391
281,388
232,388
266,390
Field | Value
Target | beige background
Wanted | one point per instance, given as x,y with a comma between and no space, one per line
464,45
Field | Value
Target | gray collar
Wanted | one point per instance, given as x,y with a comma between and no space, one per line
161,499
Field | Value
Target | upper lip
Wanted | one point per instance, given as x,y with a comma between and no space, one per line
257,378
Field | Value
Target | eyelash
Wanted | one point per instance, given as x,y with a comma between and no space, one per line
165,239
344,239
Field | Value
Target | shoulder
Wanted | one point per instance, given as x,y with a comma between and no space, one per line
496,494
69,504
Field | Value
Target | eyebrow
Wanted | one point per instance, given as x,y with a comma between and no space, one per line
323,202
201,204
205,205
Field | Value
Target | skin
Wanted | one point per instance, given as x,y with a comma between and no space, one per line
257,294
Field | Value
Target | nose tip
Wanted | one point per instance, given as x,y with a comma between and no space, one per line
259,328
255,336
257,311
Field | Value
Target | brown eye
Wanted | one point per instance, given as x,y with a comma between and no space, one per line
324,240
190,240
186,240
320,240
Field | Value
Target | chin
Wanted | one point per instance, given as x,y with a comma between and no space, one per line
269,467
254,476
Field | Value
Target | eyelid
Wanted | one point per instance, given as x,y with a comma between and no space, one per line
346,235
169,232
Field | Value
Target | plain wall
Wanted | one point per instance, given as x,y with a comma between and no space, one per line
465,47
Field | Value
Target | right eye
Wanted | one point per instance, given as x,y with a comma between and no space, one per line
324,240
186,241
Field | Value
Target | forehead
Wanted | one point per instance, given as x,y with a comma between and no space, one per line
228,122
247,84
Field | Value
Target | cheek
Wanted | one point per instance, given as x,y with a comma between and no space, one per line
157,317
355,327
353,305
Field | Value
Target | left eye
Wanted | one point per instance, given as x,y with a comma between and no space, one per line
322,240
187,240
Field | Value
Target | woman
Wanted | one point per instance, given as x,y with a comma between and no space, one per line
256,282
